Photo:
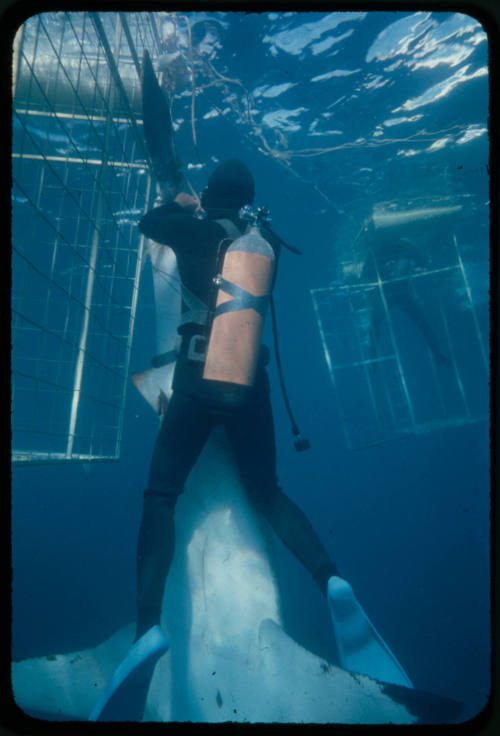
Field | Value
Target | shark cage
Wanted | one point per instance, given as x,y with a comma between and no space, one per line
80,182
405,333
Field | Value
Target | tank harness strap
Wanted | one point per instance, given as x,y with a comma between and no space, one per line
192,317
243,299
196,314
158,361
229,228
197,310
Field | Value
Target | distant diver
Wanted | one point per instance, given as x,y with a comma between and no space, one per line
227,268
395,260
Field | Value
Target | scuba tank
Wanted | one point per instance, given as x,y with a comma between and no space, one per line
234,345
244,285
220,359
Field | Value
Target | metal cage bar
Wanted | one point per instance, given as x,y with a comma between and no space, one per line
394,385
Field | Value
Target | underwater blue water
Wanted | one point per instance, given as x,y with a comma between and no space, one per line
401,99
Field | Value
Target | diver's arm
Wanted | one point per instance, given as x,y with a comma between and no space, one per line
173,224
188,203
168,223
152,224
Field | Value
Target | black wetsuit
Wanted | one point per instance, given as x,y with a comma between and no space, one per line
188,422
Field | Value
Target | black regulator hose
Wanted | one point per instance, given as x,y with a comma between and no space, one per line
267,229
301,443
260,218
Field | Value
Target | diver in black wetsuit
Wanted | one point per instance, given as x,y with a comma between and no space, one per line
189,419
395,260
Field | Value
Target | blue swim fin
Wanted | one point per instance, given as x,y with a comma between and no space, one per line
361,648
124,697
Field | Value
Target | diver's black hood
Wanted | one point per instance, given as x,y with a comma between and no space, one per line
230,186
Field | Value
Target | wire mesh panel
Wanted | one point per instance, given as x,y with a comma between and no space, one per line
80,182
406,355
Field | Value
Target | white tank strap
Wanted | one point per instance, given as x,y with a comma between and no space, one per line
158,361
243,299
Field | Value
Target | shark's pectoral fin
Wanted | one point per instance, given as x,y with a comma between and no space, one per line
154,385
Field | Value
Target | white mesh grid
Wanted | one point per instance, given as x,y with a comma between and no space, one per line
388,382
80,183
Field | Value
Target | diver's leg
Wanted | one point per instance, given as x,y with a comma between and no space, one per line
182,435
251,434
180,440
360,647
297,533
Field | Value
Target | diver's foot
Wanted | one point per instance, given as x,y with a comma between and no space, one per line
361,648
124,697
